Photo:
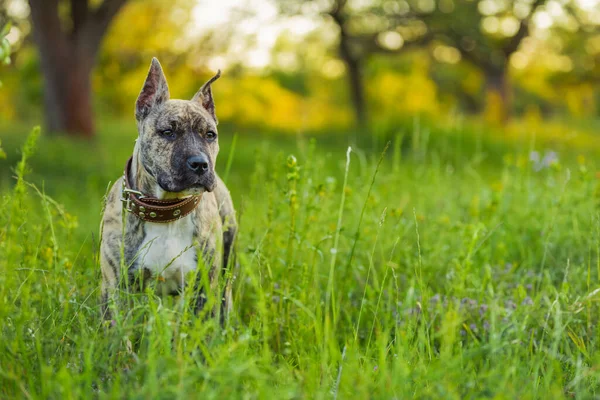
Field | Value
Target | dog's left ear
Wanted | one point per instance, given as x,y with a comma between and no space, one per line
205,98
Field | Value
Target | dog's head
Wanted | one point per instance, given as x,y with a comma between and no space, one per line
177,141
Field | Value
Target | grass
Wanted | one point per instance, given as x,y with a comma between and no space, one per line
453,266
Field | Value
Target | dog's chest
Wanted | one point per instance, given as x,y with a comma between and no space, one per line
168,251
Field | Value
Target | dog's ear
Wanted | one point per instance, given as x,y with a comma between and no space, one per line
154,92
205,98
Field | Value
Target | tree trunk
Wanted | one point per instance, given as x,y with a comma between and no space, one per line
353,64
68,94
355,83
498,97
67,60
357,92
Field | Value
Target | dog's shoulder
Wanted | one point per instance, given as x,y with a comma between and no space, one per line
224,203
111,218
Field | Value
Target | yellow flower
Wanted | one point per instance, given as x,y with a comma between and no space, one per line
497,186
521,161
47,253
396,212
444,219
508,159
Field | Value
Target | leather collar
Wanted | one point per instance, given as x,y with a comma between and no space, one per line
151,209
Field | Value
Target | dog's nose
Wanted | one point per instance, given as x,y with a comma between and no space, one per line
198,164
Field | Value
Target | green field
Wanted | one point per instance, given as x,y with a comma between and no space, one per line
452,266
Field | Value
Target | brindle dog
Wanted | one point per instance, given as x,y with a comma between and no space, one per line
173,160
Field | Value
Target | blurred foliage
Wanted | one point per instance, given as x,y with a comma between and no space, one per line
304,87
410,93
123,60
4,59
4,45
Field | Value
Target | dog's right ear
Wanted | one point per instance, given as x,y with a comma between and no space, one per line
154,92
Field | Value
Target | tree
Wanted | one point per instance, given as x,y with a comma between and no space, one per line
577,36
573,48
486,33
68,48
353,58
365,31
4,59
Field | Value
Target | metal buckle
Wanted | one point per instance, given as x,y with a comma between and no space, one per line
126,199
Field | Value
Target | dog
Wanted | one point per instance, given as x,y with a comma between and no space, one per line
170,212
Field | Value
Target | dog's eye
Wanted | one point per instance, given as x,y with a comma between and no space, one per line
169,134
210,135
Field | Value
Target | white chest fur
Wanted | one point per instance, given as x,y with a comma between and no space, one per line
168,251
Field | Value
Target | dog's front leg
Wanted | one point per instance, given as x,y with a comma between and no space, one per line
110,282
229,267
229,229
110,250
206,287
109,296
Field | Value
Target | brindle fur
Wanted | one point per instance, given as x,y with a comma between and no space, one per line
159,170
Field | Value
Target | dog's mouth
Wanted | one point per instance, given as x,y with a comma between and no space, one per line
194,190
183,189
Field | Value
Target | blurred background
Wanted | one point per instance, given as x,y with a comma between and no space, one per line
320,66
